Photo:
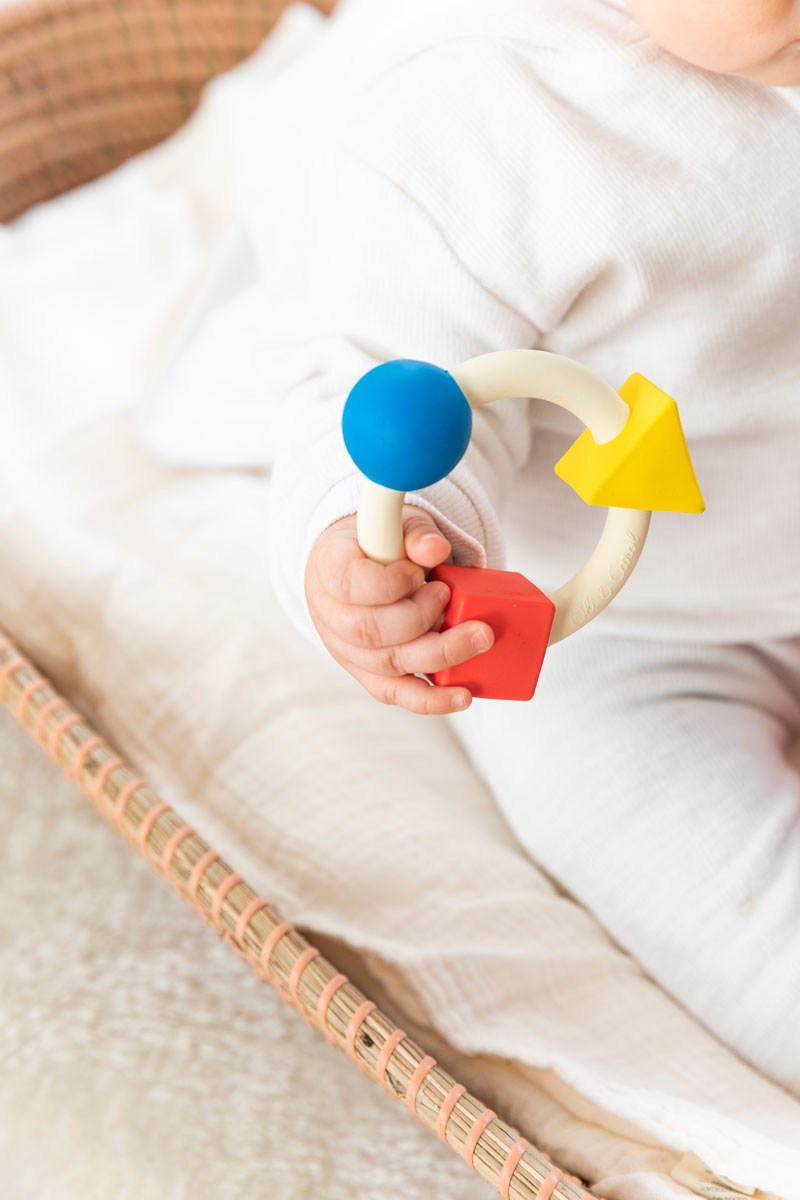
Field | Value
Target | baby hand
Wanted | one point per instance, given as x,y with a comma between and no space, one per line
381,623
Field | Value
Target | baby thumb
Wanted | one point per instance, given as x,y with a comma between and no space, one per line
425,544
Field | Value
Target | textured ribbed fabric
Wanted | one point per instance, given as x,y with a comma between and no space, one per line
653,781
533,174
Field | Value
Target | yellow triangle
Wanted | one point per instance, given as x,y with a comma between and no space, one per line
645,466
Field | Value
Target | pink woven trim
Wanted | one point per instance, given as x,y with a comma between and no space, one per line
125,795
450,1101
246,916
509,1167
550,1184
474,1135
269,945
180,835
198,871
44,713
59,731
266,951
224,889
79,762
297,970
145,829
356,1021
8,670
101,778
389,1047
25,697
415,1083
328,992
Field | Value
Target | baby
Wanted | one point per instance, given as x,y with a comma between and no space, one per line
380,623
620,185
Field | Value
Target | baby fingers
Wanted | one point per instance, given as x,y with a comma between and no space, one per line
415,695
374,627
421,656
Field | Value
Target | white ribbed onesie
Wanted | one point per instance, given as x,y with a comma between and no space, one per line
538,173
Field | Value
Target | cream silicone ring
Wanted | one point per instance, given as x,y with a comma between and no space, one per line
515,373
572,386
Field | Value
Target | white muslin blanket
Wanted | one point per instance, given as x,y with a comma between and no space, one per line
142,589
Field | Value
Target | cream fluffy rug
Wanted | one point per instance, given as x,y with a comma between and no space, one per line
141,1059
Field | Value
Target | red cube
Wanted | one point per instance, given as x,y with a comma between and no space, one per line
519,614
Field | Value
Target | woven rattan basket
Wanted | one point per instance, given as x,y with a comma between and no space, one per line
85,84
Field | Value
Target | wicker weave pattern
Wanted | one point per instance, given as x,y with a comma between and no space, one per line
275,950
85,84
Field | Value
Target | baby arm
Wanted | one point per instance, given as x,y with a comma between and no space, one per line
401,262
388,301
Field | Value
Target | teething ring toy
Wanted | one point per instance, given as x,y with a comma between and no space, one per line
407,424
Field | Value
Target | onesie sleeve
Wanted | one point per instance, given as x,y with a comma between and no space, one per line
394,268
386,285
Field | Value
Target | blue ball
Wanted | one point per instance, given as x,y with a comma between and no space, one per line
406,424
